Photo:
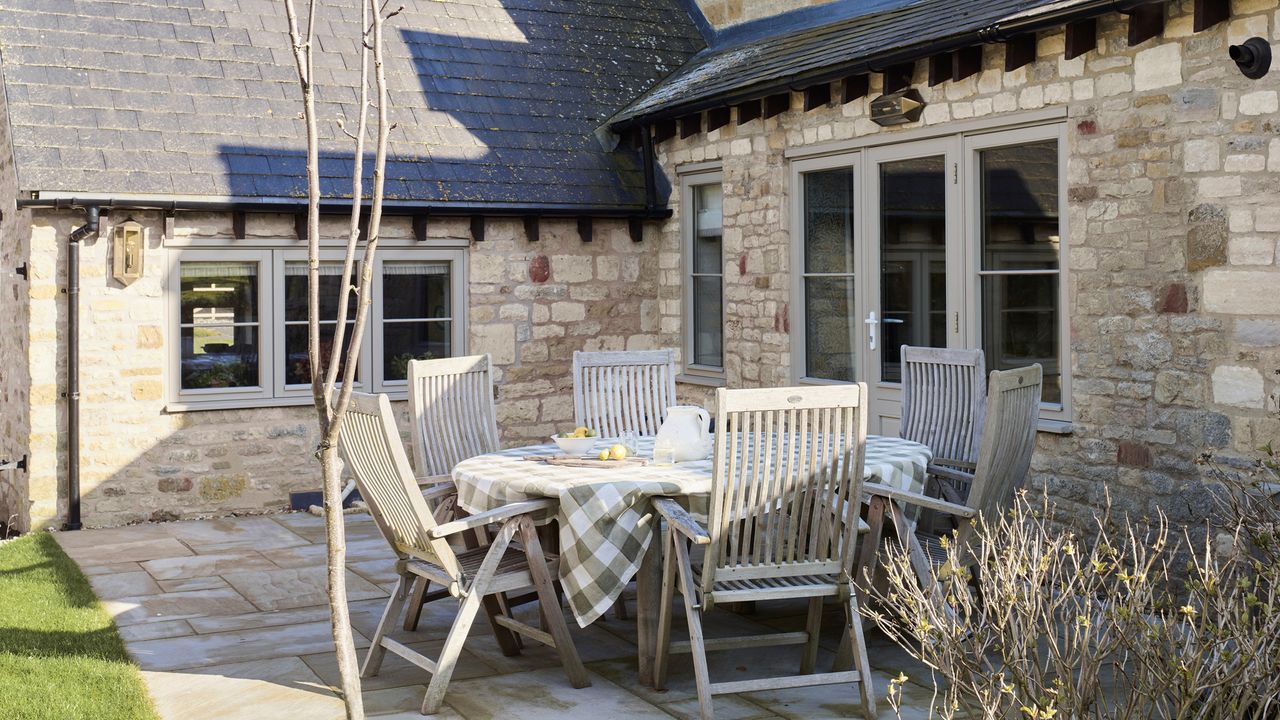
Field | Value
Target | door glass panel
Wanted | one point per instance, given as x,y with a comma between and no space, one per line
1020,241
830,330
831,318
913,237
706,299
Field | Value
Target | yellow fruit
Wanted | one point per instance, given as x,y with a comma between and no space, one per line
604,455
618,452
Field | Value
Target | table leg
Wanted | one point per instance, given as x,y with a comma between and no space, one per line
648,596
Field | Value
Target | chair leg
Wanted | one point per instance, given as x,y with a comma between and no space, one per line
694,613
663,643
620,609
858,646
373,661
551,611
415,604
813,626
508,641
449,653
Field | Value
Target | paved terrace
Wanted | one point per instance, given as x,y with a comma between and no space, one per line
227,619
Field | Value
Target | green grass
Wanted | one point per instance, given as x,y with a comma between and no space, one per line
60,655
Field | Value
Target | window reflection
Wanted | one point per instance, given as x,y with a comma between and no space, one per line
707,277
830,320
218,325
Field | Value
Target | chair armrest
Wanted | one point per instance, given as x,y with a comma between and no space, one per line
681,521
949,472
923,501
954,464
437,491
492,516
433,480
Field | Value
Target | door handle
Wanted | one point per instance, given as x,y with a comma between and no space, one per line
872,323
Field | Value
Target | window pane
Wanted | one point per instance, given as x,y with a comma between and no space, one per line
415,290
405,341
708,328
297,369
219,292
707,215
829,329
295,291
913,251
828,221
219,356
1020,326
1020,207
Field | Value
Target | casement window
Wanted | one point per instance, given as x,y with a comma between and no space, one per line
240,322
703,263
943,241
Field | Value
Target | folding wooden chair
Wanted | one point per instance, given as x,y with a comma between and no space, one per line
788,463
371,448
617,392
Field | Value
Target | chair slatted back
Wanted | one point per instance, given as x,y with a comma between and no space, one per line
616,392
787,482
451,403
1008,438
944,400
370,445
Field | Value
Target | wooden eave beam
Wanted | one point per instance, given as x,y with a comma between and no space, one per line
690,125
777,104
584,229
1082,36
1209,13
717,118
420,224
854,87
898,77
966,62
1145,22
635,226
1019,51
815,96
300,225
664,130
748,111
237,224
939,68
477,228
532,232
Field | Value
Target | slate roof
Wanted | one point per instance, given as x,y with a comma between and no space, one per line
776,51
496,101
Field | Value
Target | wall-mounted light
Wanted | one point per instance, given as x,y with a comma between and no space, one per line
127,252
897,108
1253,57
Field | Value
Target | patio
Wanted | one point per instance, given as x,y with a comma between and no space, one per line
227,619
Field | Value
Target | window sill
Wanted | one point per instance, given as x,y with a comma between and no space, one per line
256,403
705,380
1055,427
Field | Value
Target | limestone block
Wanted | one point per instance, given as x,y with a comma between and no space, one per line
1251,250
1242,292
1157,67
1246,27
1257,333
1200,155
1216,187
1260,102
571,268
499,340
568,311
1237,386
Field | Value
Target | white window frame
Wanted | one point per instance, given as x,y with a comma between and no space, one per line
693,372
1054,417
271,256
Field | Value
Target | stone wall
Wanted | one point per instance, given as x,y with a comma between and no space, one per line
723,13
1174,185
531,305
14,409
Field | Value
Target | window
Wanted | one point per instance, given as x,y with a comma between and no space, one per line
242,321
704,266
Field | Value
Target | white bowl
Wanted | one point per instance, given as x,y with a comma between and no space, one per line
575,447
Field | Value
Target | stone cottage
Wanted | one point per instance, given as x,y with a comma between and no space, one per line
785,191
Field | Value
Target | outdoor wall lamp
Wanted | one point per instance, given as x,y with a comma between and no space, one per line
1253,57
127,252
897,108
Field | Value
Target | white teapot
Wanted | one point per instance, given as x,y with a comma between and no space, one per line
687,430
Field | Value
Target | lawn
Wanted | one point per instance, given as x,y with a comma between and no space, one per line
60,655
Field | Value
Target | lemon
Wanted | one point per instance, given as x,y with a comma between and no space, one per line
580,432
618,452
604,455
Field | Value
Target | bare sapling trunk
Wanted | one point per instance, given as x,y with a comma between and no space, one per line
325,370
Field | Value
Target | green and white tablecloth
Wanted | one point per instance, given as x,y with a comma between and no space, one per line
606,521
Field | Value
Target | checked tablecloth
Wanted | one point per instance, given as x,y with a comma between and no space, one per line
606,522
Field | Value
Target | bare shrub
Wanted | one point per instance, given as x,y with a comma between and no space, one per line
1130,620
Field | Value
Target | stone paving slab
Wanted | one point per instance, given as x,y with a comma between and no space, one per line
228,620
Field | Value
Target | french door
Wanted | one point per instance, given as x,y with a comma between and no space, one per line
941,242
